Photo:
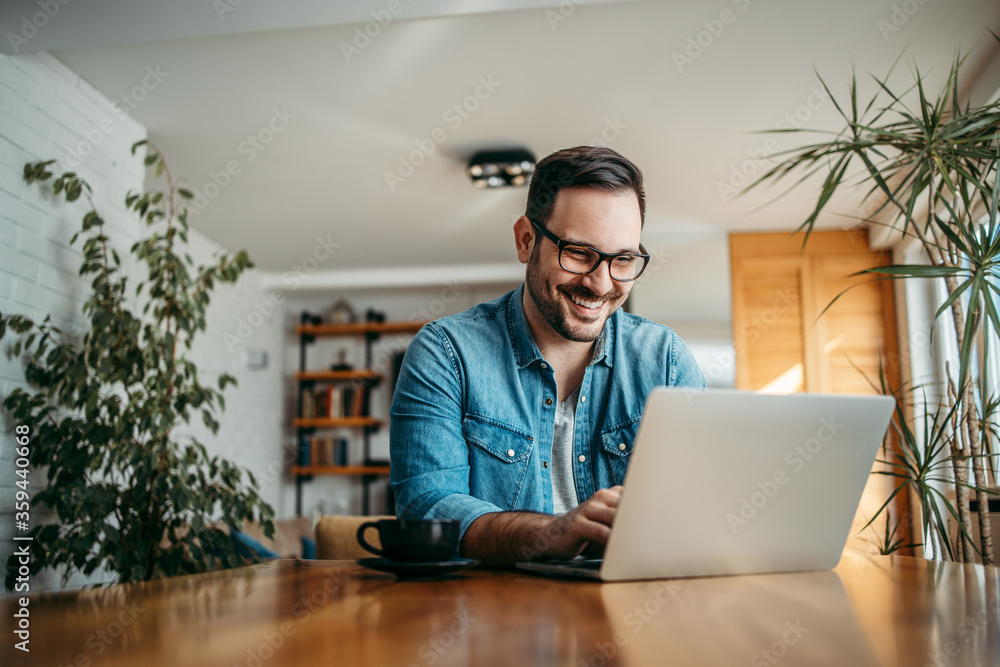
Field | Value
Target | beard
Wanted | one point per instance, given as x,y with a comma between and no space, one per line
556,312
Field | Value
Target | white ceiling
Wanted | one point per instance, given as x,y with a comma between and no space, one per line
557,83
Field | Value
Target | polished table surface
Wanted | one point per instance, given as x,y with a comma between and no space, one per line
868,611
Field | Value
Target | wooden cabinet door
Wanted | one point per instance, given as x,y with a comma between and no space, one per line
858,332
768,323
788,337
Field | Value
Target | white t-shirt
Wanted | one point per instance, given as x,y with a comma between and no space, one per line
563,482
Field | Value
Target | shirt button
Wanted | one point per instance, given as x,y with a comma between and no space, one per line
544,365
581,458
510,452
621,446
548,401
545,464
583,399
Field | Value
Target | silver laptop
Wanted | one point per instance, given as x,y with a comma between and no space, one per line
725,482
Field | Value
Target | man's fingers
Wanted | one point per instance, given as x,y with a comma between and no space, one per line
593,522
599,513
609,496
589,522
593,531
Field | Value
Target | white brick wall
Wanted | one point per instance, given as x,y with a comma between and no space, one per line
47,111
250,431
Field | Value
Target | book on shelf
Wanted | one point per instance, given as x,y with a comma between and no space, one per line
308,404
334,410
358,402
324,451
339,452
347,402
302,453
316,451
336,401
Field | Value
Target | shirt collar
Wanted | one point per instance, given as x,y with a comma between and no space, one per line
525,349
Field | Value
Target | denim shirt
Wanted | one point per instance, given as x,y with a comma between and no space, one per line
473,412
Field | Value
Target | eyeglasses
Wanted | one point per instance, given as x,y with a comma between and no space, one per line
582,259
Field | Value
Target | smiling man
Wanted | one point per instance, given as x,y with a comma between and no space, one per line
518,416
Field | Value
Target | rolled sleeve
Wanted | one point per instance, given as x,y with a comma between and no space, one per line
462,507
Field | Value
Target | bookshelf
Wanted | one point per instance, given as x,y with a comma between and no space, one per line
337,399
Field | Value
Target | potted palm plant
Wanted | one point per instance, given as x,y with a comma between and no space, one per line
928,162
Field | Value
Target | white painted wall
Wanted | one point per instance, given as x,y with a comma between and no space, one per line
47,111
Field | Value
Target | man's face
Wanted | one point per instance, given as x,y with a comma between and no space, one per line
577,306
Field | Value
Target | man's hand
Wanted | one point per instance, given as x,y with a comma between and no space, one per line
587,524
503,538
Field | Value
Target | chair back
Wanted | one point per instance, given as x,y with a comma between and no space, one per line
336,537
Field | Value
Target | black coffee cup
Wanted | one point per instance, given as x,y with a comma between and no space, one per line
413,540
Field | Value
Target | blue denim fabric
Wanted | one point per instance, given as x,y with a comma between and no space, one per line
474,408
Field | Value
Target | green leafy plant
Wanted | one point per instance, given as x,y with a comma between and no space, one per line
128,494
931,164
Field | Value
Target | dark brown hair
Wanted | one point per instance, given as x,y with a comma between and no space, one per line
581,167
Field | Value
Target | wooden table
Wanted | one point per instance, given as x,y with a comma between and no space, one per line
869,611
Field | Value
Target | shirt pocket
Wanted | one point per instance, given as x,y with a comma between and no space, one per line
618,441
498,460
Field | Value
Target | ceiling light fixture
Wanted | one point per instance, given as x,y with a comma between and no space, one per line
497,169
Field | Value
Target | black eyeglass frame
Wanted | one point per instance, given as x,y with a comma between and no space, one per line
601,256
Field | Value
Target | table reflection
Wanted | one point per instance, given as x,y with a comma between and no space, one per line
758,620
